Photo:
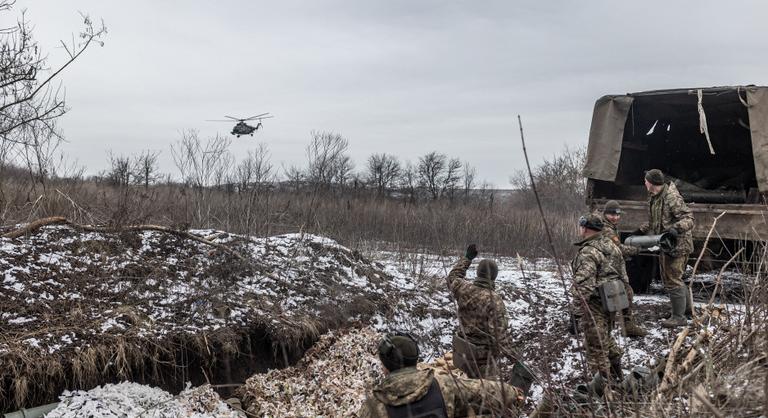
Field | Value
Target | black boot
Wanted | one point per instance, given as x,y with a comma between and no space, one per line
522,378
616,373
678,301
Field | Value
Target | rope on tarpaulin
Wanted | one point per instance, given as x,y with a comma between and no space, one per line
703,121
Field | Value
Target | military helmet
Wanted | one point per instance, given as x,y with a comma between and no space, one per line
612,207
591,221
398,350
487,269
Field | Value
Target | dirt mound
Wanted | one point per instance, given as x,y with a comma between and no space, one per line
81,309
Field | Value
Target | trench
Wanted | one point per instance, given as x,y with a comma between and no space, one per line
225,369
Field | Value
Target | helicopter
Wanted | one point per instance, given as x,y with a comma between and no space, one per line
243,128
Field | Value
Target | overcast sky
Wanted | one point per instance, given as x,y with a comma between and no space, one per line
403,77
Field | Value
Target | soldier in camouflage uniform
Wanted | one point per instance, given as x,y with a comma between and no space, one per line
482,337
611,218
668,213
595,263
410,392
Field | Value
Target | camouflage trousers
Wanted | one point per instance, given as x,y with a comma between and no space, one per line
474,360
672,269
630,295
599,344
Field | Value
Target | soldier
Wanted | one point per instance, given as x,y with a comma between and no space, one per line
482,335
668,213
409,392
594,264
611,217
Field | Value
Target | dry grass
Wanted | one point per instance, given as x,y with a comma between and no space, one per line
354,218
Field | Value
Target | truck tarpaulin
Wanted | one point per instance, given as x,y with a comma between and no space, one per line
605,137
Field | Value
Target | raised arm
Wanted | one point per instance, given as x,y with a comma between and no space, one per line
459,271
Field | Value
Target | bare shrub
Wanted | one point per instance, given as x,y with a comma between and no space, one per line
559,181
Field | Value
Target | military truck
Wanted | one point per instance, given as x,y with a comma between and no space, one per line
712,142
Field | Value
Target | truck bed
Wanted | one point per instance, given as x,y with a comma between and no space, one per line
740,221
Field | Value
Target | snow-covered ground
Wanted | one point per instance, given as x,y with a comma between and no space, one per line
536,304
133,400
63,291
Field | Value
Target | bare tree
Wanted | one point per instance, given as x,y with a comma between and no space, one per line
41,154
327,160
146,169
470,177
29,95
30,98
451,178
343,170
431,173
408,181
295,177
201,163
120,172
382,171
254,169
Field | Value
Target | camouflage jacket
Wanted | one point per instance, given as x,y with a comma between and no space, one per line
597,261
482,314
460,395
612,232
668,210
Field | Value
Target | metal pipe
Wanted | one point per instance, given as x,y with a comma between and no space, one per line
36,412
666,242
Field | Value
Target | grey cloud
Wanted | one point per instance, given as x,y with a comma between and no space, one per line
397,76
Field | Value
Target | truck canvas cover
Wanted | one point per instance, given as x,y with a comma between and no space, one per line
692,134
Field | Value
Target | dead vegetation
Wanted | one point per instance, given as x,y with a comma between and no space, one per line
82,306
719,365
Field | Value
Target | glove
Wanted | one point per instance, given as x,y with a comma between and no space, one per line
573,325
471,252
673,232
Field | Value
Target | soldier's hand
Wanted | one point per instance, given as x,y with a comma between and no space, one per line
637,232
471,252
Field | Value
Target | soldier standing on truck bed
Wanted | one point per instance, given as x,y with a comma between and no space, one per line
611,217
595,264
668,213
